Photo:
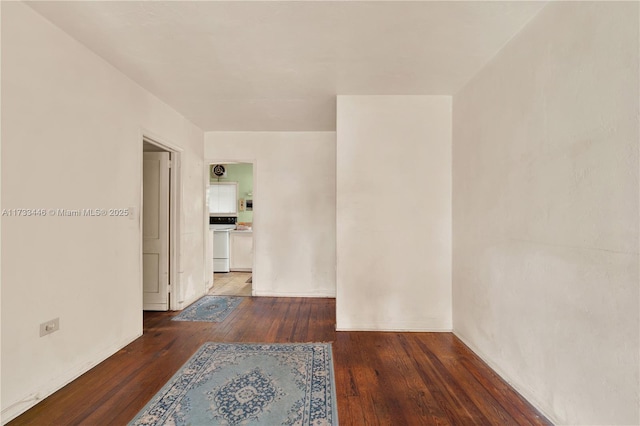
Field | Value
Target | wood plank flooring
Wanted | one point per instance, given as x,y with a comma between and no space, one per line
231,284
381,378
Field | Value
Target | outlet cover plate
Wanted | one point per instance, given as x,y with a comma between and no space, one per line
49,327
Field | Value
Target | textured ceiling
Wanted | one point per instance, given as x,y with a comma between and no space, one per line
278,65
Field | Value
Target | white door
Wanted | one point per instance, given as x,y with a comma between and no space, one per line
155,231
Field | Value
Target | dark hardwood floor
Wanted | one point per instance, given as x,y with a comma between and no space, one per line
381,378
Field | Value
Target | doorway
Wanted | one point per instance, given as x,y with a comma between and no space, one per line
230,190
159,225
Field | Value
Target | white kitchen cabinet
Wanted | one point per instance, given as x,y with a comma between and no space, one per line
241,251
223,198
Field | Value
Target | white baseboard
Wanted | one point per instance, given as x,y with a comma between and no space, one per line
526,394
331,295
397,326
27,401
396,330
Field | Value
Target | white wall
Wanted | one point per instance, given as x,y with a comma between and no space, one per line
394,213
545,212
71,138
294,207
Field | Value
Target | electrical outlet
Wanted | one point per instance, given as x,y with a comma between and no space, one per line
49,327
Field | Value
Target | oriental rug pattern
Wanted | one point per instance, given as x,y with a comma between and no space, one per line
209,309
248,384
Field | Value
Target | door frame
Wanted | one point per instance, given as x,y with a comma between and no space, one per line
207,181
175,214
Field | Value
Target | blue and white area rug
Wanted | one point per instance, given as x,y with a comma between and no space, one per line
248,384
209,308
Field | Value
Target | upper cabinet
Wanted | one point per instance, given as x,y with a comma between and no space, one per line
223,198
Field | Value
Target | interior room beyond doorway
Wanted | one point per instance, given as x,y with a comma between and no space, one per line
230,198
